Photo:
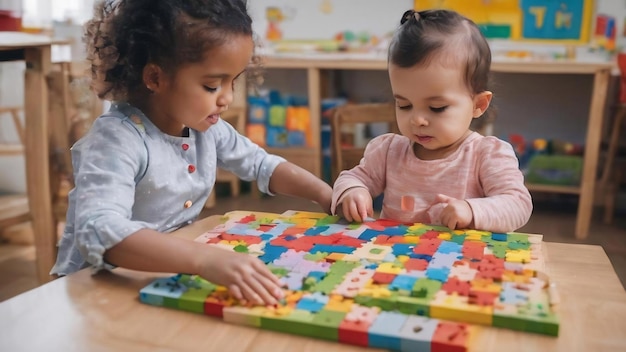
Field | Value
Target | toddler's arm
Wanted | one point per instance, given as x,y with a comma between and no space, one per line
507,204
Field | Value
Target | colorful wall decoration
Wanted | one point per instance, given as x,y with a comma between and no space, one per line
535,20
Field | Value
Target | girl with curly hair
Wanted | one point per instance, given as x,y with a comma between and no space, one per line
148,165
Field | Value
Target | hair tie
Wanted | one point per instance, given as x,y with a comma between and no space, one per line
408,15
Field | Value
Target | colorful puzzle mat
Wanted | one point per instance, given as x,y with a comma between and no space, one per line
380,283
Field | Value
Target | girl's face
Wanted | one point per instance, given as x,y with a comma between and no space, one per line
434,106
198,92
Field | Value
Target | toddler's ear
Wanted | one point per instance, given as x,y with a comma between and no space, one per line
481,102
152,77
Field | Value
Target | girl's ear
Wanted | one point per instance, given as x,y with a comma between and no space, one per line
153,77
481,102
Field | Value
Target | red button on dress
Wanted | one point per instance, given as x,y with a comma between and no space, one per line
185,146
191,169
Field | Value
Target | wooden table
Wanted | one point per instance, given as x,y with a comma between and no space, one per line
35,50
316,64
82,312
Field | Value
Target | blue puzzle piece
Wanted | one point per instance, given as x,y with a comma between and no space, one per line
402,249
399,230
499,236
369,234
266,237
443,260
449,247
310,305
512,295
314,231
272,253
317,275
403,283
426,257
241,229
439,274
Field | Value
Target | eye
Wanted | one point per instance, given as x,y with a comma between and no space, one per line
404,107
210,89
438,109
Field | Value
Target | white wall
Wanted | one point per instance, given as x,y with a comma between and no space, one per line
306,20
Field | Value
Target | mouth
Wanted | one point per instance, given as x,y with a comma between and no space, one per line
423,138
212,119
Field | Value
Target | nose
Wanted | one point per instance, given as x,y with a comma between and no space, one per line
419,120
225,98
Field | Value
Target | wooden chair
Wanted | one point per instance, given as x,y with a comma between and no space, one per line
345,156
611,176
73,108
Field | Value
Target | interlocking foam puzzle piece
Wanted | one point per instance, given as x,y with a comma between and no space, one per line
355,283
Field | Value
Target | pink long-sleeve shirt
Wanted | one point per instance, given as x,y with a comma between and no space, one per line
484,171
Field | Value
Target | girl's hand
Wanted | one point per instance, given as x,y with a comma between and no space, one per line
245,276
456,214
357,204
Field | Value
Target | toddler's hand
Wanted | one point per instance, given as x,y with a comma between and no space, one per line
456,214
245,276
357,204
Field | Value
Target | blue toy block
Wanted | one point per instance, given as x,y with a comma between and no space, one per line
296,138
258,110
276,137
385,330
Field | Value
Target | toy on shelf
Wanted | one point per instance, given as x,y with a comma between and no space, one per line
605,33
552,162
381,283
277,121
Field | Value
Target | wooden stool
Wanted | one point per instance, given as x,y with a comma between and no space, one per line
14,209
611,176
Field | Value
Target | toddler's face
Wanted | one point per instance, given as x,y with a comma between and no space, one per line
434,106
199,92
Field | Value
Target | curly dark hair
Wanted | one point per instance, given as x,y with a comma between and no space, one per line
125,35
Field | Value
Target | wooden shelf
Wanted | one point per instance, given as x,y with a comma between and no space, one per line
534,187
307,158
11,149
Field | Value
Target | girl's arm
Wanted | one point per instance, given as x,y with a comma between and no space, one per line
292,180
247,160
245,276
